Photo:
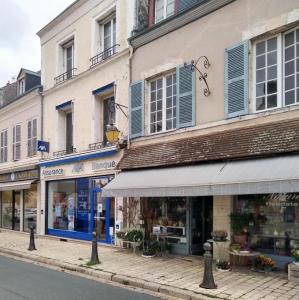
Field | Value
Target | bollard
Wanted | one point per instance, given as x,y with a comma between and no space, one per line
31,243
208,279
94,253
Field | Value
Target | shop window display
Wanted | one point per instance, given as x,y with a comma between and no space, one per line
62,205
274,222
30,210
166,216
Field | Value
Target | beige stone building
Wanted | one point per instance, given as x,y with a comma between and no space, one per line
214,123
85,74
20,128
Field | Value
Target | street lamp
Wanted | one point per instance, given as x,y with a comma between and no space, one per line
112,132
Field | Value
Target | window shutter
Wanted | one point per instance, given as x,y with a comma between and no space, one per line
185,97
29,125
5,143
18,141
236,80
136,107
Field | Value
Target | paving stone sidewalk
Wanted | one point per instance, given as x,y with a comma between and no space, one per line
177,276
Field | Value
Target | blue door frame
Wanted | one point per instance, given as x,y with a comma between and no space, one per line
93,210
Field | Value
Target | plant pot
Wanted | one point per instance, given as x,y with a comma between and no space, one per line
222,270
148,256
240,239
219,239
296,263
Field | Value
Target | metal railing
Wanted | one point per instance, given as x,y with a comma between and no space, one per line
65,76
95,146
103,55
71,150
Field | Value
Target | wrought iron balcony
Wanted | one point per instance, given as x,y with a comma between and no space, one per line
95,146
65,76
64,152
103,55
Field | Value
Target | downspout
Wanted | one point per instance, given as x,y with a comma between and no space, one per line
40,91
131,51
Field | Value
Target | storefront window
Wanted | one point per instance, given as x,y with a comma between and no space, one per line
274,222
62,205
167,215
7,208
30,210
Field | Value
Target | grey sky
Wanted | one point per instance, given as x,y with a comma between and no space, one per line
19,44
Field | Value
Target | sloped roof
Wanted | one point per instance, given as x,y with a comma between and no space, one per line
247,142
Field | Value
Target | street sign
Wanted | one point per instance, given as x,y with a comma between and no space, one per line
43,146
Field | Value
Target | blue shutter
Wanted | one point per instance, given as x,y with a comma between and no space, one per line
236,80
136,109
185,96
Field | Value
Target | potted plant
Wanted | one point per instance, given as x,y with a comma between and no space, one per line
235,248
295,254
223,266
239,224
264,264
219,235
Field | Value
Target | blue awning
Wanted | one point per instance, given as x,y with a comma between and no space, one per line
64,105
103,89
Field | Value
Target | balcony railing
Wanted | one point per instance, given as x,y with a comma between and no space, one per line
103,55
95,146
71,150
65,76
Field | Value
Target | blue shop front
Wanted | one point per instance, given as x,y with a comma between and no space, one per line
74,206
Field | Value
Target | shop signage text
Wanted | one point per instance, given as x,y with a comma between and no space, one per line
21,175
103,165
54,172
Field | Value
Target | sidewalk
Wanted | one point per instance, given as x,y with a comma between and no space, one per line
176,276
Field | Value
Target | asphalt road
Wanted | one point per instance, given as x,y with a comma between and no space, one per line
20,280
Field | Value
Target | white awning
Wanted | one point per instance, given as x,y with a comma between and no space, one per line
17,185
253,176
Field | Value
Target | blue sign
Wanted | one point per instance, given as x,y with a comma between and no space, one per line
43,146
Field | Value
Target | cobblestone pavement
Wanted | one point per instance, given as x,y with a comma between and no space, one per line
182,274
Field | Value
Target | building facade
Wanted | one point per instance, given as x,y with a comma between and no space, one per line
214,122
20,128
85,74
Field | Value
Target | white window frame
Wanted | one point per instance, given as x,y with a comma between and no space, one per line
279,72
102,24
15,143
4,147
69,44
283,67
163,77
31,148
165,4
22,86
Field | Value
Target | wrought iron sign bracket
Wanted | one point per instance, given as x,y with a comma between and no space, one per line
194,65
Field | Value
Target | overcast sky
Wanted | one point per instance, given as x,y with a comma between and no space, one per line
20,20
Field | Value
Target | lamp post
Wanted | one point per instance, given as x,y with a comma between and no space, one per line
112,133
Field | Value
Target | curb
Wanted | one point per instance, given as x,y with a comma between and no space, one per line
108,276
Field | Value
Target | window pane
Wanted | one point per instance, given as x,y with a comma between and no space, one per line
271,58
297,96
272,72
260,103
272,101
153,96
153,128
289,53
159,126
159,105
271,44
290,68
159,83
290,97
260,89
159,116
289,39
260,61
153,117
297,35
289,82
169,125
297,80
271,87
261,75
260,48
153,106
168,102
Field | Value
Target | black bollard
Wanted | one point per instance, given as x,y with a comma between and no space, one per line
208,279
94,253
31,243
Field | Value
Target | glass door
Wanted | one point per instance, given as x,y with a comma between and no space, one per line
201,223
101,216
16,210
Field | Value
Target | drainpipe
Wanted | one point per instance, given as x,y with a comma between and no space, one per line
131,49
40,91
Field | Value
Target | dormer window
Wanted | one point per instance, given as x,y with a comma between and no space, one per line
21,86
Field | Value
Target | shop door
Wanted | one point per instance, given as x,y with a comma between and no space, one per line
201,223
16,210
102,222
